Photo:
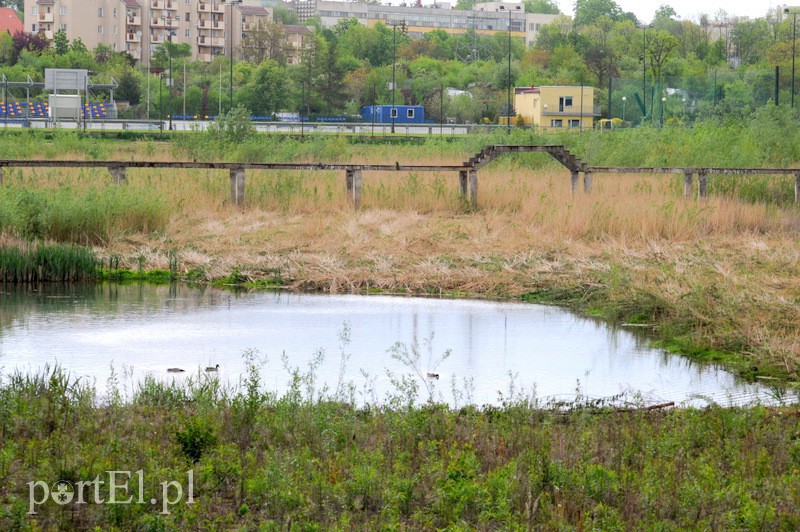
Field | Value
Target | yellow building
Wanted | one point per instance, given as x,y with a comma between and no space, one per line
556,106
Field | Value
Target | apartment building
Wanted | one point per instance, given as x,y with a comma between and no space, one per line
485,18
211,27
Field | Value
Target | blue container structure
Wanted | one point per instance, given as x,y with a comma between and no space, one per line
406,114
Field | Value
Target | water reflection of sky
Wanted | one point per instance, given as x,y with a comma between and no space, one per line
491,344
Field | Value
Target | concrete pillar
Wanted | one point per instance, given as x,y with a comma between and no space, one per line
118,173
688,184
473,189
237,186
348,177
587,182
796,185
702,191
462,180
356,189
573,185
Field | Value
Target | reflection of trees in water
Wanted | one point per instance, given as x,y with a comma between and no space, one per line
18,302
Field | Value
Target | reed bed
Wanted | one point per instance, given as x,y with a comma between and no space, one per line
61,263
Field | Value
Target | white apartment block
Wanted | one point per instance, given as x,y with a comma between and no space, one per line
485,18
211,27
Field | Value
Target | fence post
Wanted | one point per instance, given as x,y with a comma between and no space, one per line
587,182
688,184
348,179
702,191
573,185
237,186
473,189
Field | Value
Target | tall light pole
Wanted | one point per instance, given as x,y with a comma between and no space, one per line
794,40
393,111
508,104
231,2
644,70
169,79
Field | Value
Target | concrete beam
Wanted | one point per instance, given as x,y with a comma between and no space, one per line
237,186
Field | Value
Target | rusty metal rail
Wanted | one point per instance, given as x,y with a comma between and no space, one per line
468,171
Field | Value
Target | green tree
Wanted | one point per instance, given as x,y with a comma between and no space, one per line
128,89
267,41
665,12
265,92
547,7
588,11
752,39
60,42
7,52
78,47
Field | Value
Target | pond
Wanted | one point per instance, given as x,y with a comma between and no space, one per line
478,349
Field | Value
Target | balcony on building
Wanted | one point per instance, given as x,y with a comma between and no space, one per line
133,37
164,4
45,17
132,20
204,24
49,34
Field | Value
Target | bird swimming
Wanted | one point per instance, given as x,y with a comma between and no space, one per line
175,370
433,375
213,368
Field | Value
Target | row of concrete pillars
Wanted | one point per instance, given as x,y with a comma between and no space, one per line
468,183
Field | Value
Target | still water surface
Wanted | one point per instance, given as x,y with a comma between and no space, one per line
492,345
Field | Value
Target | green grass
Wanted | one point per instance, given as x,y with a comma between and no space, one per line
313,460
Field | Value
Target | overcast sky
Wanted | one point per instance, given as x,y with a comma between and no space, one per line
689,9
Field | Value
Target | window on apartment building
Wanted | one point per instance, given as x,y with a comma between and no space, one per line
99,11
100,30
188,17
188,2
574,123
35,10
33,28
61,10
556,122
564,101
114,12
116,31
187,33
62,26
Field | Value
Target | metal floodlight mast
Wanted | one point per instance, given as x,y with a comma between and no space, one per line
794,40
231,2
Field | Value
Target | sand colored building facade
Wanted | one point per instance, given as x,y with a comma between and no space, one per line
212,28
556,106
